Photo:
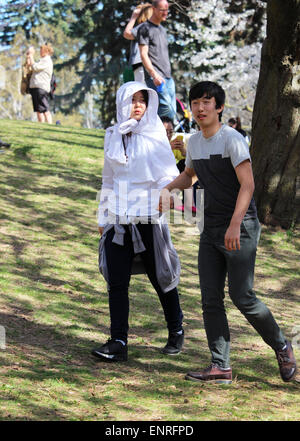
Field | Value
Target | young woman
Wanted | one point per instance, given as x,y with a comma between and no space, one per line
141,14
138,164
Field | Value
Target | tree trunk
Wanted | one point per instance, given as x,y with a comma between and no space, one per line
275,146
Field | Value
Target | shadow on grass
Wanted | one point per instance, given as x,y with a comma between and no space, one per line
52,352
72,131
22,152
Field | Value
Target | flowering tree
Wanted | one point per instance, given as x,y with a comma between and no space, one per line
231,35
219,39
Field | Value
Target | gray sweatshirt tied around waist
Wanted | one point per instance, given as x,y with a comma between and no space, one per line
167,264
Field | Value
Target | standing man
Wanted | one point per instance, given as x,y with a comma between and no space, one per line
219,156
153,45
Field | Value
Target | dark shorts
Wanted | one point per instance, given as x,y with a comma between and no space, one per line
40,100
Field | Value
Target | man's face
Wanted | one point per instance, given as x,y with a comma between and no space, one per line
205,112
161,11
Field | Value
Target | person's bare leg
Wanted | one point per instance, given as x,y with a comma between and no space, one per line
41,117
48,117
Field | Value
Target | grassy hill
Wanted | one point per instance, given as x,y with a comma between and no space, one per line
53,303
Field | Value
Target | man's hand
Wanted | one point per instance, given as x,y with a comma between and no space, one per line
101,230
158,79
245,178
232,238
166,201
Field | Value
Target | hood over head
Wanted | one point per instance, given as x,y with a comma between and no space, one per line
124,103
147,135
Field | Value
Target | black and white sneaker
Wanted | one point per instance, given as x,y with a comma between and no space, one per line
174,343
112,350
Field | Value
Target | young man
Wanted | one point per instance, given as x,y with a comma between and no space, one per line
219,156
153,45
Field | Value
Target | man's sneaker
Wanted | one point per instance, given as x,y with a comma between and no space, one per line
287,362
112,350
213,373
174,343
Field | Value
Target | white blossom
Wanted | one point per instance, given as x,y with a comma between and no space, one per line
234,66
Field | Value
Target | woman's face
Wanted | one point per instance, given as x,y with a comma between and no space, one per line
43,51
138,107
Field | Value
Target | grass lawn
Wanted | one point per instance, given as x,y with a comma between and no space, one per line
54,308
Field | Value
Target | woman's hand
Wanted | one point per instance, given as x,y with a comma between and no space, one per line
30,51
101,230
136,13
178,144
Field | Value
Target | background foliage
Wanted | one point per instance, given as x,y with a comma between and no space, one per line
219,39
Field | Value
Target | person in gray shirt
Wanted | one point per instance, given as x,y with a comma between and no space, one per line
153,44
219,157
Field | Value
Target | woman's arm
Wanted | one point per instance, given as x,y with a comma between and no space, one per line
40,65
127,31
29,56
106,188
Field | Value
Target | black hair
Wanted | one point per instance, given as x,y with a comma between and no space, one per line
146,96
208,89
166,119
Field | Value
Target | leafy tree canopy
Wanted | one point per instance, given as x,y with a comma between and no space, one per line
196,29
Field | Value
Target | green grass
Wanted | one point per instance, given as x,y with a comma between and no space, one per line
54,304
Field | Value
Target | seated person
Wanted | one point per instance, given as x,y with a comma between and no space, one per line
177,143
178,146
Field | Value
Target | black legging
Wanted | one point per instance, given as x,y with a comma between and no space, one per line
119,262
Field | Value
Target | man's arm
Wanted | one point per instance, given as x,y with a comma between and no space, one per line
246,180
157,79
184,180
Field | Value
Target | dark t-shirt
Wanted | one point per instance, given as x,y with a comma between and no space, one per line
214,160
155,37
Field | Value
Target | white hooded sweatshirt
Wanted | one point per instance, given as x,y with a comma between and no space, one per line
131,181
